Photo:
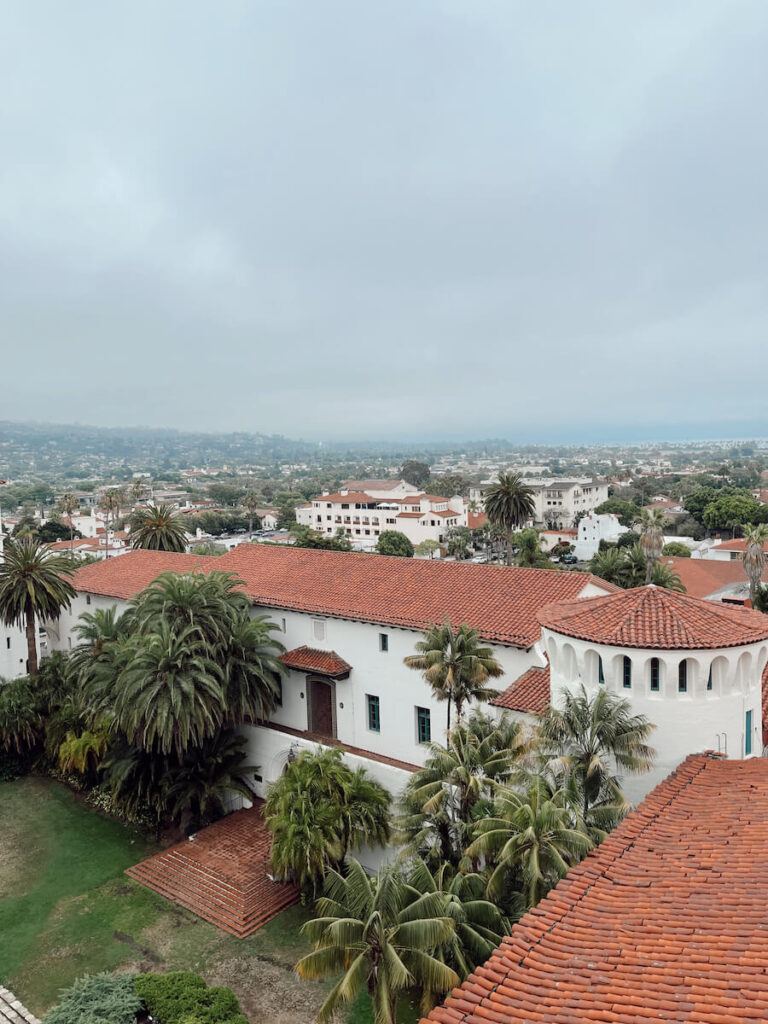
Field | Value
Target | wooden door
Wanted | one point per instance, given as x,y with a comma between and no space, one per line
321,708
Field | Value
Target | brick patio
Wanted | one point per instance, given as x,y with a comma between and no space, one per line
221,874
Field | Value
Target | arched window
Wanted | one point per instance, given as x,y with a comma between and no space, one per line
627,673
600,673
654,675
709,678
682,676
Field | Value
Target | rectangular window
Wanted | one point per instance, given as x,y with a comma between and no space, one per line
600,675
748,735
383,641
682,676
423,726
627,673
318,629
374,720
654,674
87,598
283,624
8,642
709,679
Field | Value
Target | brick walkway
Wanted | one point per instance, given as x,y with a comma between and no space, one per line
221,874
11,1010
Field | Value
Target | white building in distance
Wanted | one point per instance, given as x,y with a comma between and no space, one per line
592,529
557,502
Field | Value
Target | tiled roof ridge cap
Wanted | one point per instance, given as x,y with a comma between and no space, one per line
676,783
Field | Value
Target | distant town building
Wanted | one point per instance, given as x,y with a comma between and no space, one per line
592,529
557,502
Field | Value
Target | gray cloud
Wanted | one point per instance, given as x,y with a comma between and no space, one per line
341,219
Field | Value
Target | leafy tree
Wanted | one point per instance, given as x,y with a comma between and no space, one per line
591,738
52,532
416,473
730,510
561,549
34,585
158,528
698,500
756,538
427,547
676,549
456,665
225,494
380,939
448,485
532,839
508,504
306,537
627,511
393,542
651,538
317,810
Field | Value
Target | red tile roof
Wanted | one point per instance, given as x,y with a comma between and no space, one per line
665,921
475,520
500,601
310,659
529,693
655,618
739,544
703,576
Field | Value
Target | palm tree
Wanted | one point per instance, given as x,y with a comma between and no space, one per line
317,810
607,565
529,553
591,737
158,528
508,504
665,576
479,924
208,604
252,670
112,501
198,787
138,489
83,753
652,523
34,584
440,800
755,538
534,837
250,502
382,939
455,665
69,504
20,720
169,694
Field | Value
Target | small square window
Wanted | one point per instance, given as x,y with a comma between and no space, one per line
423,725
383,641
374,718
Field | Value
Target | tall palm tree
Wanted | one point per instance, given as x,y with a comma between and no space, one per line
534,837
479,924
169,695
509,504
252,670
208,604
456,665
250,502
34,584
380,939
440,800
158,528
69,504
755,538
138,489
590,739
652,523
112,501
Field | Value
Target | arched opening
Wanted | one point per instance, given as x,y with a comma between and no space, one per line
655,675
626,672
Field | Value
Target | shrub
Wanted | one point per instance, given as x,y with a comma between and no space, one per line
676,549
97,999
185,998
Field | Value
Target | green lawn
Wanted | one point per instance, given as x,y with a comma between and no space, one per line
67,909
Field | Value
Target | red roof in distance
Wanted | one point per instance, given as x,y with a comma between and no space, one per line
657,619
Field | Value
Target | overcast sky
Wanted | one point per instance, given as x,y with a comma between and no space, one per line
540,220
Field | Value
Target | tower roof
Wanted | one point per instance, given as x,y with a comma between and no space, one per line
655,618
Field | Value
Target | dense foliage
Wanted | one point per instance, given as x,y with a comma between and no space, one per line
97,999
182,998
393,542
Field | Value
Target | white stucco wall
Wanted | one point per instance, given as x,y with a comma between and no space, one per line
13,652
686,723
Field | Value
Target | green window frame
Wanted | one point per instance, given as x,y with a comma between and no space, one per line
748,735
423,725
626,673
374,713
655,675
600,673
682,676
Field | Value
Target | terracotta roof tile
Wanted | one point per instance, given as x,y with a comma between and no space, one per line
655,618
500,601
665,921
310,659
704,576
529,693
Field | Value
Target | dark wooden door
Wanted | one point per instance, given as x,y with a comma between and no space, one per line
322,708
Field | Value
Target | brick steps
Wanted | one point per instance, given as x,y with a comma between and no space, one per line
221,875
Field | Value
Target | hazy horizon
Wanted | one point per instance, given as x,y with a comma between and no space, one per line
409,222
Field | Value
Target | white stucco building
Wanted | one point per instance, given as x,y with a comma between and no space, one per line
363,515
592,529
13,652
556,501
694,668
